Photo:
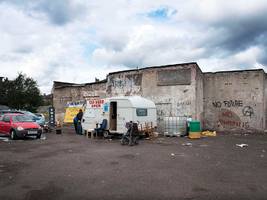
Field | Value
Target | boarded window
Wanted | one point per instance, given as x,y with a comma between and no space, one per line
141,112
174,77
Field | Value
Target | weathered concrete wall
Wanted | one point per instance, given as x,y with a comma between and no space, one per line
234,101
94,90
124,84
171,99
173,96
199,96
224,101
64,94
60,98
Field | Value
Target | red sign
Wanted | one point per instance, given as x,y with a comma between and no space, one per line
96,103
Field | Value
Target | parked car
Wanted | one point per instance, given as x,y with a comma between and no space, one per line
9,111
18,125
38,119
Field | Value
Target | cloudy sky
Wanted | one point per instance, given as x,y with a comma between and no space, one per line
78,40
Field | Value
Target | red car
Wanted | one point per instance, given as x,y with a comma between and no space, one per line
19,126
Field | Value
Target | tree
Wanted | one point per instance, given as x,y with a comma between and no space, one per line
21,93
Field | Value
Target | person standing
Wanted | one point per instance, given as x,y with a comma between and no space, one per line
75,122
79,117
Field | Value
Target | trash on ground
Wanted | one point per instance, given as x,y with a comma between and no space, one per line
156,134
242,145
209,133
187,144
172,154
262,156
43,137
263,150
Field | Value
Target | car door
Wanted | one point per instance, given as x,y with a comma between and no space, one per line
6,124
1,124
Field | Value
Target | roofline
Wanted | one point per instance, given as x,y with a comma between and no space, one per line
231,71
154,67
67,84
77,84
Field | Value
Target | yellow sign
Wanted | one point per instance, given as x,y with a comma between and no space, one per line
70,113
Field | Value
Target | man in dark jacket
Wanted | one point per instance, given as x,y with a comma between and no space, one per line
79,117
75,122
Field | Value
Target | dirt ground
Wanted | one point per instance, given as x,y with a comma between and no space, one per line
70,166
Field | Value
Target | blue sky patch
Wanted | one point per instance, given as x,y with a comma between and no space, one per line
89,48
161,13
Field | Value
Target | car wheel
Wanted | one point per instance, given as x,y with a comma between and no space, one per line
38,136
106,134
13,135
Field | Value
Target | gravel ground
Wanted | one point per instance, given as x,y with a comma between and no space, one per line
70,166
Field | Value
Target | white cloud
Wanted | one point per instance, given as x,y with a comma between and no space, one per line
86,39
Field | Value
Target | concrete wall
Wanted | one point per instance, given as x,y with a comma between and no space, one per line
172,98
173,88
234,101
199,96
62,94
124,84
223,101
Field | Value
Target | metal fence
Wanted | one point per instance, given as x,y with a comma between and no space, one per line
174,125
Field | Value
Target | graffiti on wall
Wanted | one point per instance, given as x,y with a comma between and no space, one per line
127,85
183,108
247,111
163,110
227,103
229,119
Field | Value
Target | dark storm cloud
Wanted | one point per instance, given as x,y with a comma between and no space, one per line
236,34
59,12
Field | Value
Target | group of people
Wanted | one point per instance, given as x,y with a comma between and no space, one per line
77,121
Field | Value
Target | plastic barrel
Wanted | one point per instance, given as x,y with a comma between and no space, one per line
194,130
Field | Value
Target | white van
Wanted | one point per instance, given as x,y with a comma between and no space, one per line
117,111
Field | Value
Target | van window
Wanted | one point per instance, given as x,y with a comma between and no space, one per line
141,111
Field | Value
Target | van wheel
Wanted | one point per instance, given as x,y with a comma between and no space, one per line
123,141
13,135
106,134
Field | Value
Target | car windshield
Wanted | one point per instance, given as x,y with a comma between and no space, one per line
22,118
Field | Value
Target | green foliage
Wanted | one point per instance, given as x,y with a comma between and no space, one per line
21,93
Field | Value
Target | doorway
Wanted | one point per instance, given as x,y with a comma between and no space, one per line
113,116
